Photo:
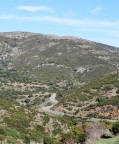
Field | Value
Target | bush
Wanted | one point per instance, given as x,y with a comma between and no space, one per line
107,88
76,135
102,101
46,119
57,131
117,91
26,140
2,137
40,128
48,140
115,127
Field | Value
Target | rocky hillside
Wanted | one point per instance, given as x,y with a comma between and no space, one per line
56,59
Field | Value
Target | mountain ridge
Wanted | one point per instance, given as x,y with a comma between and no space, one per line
14,34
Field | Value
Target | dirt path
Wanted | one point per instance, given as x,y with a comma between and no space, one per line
53,102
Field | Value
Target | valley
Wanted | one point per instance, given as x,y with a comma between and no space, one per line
57,90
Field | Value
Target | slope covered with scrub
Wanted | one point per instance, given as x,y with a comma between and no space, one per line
82,74
53,58
100,99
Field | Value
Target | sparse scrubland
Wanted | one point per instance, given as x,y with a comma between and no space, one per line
83,75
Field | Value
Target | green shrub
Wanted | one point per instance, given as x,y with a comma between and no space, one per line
48,140
102,101
57,131
46,119
2,137
2,131
26,140
76,135
107,88
40,128
117,91
115,127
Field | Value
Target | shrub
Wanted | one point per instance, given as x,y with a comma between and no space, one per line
2,131
40,128
2,138
76,135
26,140
115,127
48,140
107,88
46,119
117,91
102,101
57,131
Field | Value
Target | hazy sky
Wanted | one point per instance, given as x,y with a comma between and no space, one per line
96,20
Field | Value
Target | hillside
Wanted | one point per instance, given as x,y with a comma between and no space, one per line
56,59
99,99
23,125
21,121
57,90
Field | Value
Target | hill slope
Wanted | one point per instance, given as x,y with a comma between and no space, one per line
53,58
99,99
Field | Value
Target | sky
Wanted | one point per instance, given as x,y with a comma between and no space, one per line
96,20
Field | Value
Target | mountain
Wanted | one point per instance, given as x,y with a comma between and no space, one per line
57,59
